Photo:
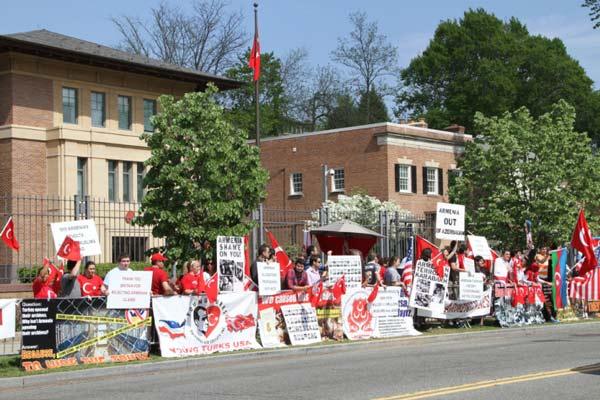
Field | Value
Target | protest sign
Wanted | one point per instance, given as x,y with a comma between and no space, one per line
190,325
230,263
357,316
470,286
301,323
66,332
450,221
429,290
469,264
525,308
393,316
130,289
7,318
350,266
269,281
83,231
271,323
329,315
457,309
479,246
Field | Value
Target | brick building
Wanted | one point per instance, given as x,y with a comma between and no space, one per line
408,164
71,115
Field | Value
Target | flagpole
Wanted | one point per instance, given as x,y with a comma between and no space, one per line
256,81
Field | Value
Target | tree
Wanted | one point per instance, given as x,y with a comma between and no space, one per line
344,114
206,39
522,168
203,179
594,6
371,108
480,63
366,53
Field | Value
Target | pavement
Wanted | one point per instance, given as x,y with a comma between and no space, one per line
549,362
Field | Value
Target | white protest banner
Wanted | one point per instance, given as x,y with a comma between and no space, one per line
129,289
7,318
393,316
450,221
470,287
269,281
270,328
83,231
358,320
429,290
190,325
457,309
230,263
469,264
301,323
479,246
345,265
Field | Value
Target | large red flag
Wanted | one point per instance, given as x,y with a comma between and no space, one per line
422,244
582,242
373,294
69,249
339,288
282,258
8,235
254,61
212,288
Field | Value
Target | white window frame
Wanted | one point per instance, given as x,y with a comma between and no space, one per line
293,192
408,189
334,187
435,180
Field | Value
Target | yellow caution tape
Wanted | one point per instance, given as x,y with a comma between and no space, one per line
91,319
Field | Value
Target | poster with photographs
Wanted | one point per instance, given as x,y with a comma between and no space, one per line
230,263
301,323
345,265
429,290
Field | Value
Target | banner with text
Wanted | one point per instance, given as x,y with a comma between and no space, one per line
130,289
429,290
230,263
190,325
393,316
269,280
83,231
479,246
65,332
470,286
457,309
450,222
345,265
301,323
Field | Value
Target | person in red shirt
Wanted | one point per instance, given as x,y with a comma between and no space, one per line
42,284
190,283
89,282
160,278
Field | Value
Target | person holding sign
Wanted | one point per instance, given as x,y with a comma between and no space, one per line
42,284
297,278
123,266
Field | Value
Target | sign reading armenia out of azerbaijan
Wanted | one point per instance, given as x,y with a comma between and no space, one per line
450,222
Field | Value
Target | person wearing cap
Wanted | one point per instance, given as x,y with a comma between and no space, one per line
160,278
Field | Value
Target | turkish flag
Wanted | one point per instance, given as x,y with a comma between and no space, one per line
282,258
212,288
582,242
8,235
422,244
254,62
69,249
373,294
339,288
315,294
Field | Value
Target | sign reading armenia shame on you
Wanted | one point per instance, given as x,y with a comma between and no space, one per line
450,221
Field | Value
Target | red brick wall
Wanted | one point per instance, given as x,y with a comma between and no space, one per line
5,99
28,168
5,167
32,101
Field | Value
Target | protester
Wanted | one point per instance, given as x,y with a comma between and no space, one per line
184,270
501,267
297,278
392,276
263,256
371,271
210,267
191,282
89,282
311,251
312,273
122,267
160,278
42,284
69,284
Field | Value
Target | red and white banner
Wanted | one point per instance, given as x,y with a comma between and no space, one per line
585,287
190,325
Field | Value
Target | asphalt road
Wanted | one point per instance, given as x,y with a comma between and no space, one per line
505,364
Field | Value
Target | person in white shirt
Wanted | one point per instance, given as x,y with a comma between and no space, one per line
502,266
314,276
123,266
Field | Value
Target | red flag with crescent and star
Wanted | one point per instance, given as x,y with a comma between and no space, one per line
8,235
69,249
582,242
254,61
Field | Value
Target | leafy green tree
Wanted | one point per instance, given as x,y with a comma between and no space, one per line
344,114
273,101
203,179
594,6
520,168
482,64
372,108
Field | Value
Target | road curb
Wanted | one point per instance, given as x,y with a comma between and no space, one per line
64,377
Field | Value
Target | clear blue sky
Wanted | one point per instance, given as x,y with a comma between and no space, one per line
316,25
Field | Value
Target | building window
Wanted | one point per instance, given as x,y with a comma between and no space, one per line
296,183
149,112
69,100
404,184
98,110
112,180
140,181
338,180
125,113
127,181
432,186
134,246
81,176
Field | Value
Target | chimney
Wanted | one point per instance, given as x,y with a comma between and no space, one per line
455,128
419,124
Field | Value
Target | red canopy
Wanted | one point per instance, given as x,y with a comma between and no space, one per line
342,236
